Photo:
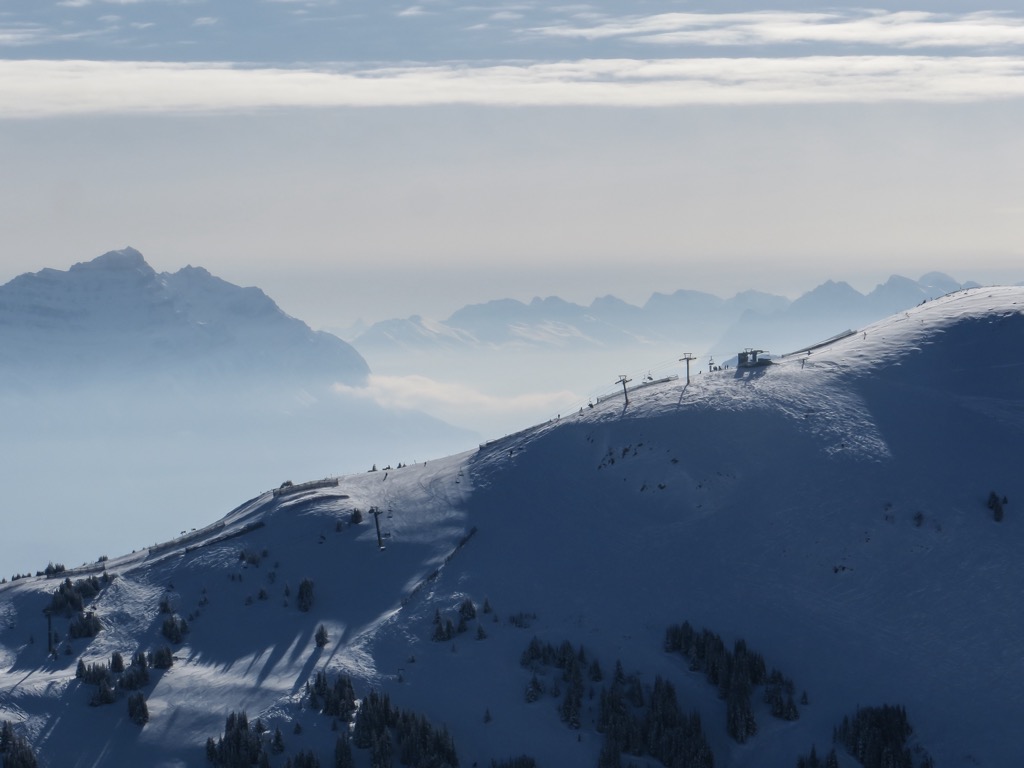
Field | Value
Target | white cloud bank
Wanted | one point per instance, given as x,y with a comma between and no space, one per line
39,88
902,29
458,403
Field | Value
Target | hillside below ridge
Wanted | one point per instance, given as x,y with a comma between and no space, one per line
829,508
845,490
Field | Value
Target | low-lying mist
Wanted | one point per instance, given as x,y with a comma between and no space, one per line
108,469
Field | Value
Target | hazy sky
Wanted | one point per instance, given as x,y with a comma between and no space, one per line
369,160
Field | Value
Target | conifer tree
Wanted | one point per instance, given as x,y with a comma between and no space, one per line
138,712
534,689
162,658
15,750
104,694
381,750
304,601
343,754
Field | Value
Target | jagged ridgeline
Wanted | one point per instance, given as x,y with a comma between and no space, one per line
115,316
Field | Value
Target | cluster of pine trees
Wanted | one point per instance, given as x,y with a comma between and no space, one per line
813,761
337,699
113,678
778,693
877,737
574,666
70,597
252,557
15,750
389,732
735,673
174,629
241,745
445,629
633,722
305,759
85,624
657,727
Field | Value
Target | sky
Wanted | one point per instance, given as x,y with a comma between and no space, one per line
367,160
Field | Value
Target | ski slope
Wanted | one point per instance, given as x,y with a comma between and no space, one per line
830,509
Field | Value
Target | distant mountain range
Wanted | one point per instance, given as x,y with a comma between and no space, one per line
726,325
116,316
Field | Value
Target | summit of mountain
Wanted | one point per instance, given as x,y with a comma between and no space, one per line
830,513
115,314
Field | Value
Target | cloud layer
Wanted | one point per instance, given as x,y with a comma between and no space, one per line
901,30
456,402
362,30
153,57
53,88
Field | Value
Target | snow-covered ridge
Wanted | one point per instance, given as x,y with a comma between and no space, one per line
830,509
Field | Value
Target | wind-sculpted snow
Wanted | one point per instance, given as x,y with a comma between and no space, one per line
830,509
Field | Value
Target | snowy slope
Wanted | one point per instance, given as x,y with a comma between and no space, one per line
830,509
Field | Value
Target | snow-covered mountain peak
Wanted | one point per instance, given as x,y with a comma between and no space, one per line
940,283
833,510
124,260
116,312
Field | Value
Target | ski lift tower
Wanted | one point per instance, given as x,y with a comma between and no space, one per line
687,357
50,649
624,380
375,511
